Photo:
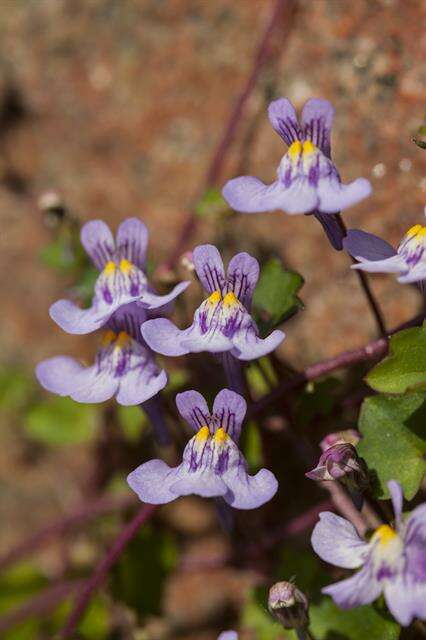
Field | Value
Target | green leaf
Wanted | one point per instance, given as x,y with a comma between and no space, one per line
275,297
61,421
328,622
253,446
405,367
211,203
393,443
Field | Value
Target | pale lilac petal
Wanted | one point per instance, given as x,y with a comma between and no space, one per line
97,239
360,244
78,321
415,532
250,195
140,385
243,274
317,120
417,274
153,301
209,267
336,541
213,341
193,409
151,482
361,588
249,492
397,498
283,118
164,337
395,264
129,318
132,241
228,635
406,599
332,227
204,483
248,346
335,196
229,408
67,377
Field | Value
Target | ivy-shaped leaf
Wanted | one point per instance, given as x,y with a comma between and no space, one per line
404,369
393,443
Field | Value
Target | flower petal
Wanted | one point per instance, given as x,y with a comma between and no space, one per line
97,239
132,241
332,227
415,532
361,588
335,196
336,541
228,635
243,274
397,497
248,346
249,492
283,118
417,274
151,300
361,244
67,377
140,385
229,409
78,321
209,267
317,120
151,481
395,264
406,599
204,483
164,337
193,409
250,195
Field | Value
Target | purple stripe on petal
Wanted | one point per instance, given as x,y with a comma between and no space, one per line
132,241
317,120
209,267
96,238
193,409
242,276
283,118
229,409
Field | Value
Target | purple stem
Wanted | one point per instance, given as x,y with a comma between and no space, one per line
101,571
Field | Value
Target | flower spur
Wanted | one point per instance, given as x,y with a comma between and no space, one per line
212,463
121,280
393,561
223,321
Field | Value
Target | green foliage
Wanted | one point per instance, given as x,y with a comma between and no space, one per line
132,421
257,618
252,446
328,622
275,297
147,561
393,443
316,400
61,421
405,367
17,585
211,204
16,388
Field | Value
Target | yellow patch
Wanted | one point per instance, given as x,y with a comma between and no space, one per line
230,299
309,147
123,339
215,297
385,534
294,150
203,434
125,266
414,231
108,338
220,436
109,268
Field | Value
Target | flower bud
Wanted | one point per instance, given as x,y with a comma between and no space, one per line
187,261
341,462
288,605
349,435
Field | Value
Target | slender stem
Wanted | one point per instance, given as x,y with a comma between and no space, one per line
101,571
303,633
344,504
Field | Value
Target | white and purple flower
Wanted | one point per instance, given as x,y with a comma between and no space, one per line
124,366
393,561
122,279
408,261
213,465
228,635
307,180
223,321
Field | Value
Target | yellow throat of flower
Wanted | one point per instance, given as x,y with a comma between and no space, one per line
385,534
298,148
417,231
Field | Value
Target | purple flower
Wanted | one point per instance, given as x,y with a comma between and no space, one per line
393,561
408,262
124,367
122,279
223,321
341,462
228,635
212,462
339,437
307,180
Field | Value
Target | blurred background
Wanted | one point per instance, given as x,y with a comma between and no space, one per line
117,107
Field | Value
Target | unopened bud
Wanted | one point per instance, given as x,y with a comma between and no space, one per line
187,261
341,462
165,275
350,436
288,605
